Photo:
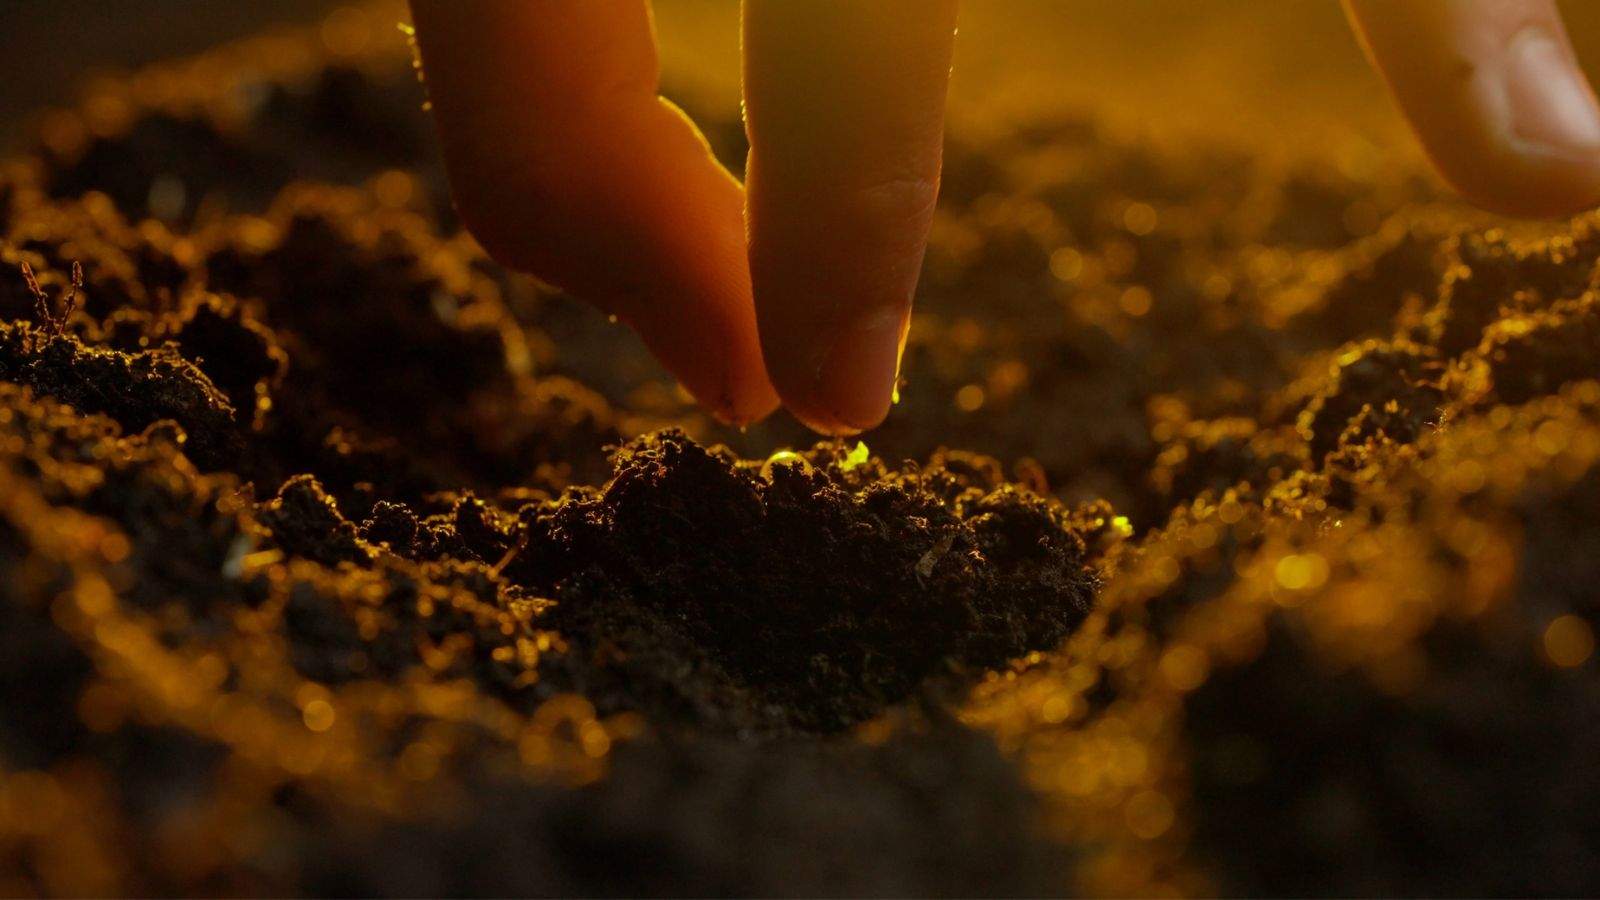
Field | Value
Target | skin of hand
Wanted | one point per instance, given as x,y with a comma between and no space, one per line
796,287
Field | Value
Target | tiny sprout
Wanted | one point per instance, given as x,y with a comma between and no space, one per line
857,455
33,284
48,320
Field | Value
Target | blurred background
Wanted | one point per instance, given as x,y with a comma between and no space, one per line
1286,63
1289,69
49,46
1151,53
1286,66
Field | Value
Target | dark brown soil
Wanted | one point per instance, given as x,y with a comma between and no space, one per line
336,560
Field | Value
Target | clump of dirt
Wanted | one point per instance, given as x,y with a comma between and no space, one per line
137,390
826,592
1396,380
1532,354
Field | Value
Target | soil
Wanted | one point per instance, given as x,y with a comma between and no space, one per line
336,560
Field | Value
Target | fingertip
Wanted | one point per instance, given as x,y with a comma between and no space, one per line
1545,126
733,390
1532,187
699,323
1496,96
740,399
1522,178
823,423
853,387
844,108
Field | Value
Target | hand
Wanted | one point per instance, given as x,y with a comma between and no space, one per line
567,164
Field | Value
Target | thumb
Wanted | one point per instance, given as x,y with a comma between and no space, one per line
1494,92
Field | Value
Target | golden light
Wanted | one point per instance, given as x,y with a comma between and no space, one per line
1568,642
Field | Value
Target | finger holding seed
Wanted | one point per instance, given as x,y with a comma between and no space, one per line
567,164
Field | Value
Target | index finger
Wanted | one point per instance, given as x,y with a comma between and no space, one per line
844,105
566,163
